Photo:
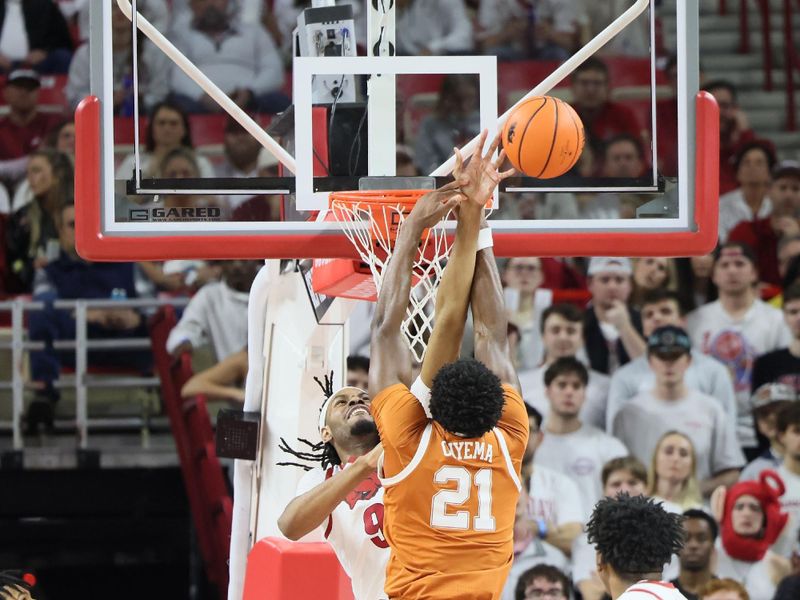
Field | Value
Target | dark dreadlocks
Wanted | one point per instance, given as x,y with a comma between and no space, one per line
322,452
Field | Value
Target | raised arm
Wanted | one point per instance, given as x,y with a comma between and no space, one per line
390,357
478,181
489,319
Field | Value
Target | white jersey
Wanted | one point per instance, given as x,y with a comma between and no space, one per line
355,532
652,590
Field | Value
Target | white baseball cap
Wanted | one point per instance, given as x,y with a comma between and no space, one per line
610,264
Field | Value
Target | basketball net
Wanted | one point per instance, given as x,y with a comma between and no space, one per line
371,221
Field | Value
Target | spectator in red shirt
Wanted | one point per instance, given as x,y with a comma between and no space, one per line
734,131
764,235
591,98
24,128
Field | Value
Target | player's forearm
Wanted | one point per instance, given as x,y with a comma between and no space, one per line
489,316
452,298
396,287
307,512
724,478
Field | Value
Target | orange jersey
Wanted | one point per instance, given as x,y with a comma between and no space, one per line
449,501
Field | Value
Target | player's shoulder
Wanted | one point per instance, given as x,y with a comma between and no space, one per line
394,391
652,590
313,477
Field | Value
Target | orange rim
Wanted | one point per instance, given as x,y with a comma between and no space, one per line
383,223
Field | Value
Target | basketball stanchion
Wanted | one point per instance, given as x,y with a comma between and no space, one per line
371,220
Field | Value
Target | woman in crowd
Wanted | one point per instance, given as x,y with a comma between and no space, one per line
672,474
694,281
724,589
751,521
167,129
649,274
32,237
60,138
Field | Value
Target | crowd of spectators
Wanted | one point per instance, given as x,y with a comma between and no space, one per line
675,378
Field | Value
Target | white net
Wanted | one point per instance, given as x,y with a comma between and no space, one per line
371,227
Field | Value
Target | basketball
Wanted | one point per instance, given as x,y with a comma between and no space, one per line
543,137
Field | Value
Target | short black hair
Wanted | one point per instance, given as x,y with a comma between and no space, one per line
591,64
635,535
787,416
767,147
701,515
659,295
466,398
624,137
356,362
722,84
546,572
566,365
567,311
532,412
746,250
791,293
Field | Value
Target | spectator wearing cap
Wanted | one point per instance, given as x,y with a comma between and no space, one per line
240,58
783,365
24,128
737,328
672,406
750,201
33,34
611,330
767,402
734,131
763,235
705,374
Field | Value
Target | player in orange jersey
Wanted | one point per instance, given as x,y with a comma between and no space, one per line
451,464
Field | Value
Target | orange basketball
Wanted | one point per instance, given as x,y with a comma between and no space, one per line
543,137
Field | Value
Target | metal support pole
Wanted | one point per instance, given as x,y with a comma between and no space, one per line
81,408
17,383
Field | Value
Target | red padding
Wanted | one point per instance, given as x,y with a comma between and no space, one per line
282,570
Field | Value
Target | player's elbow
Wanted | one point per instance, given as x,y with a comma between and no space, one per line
288,526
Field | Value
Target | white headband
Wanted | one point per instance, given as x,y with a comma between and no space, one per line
323,411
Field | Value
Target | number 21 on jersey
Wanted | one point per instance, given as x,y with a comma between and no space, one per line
444,518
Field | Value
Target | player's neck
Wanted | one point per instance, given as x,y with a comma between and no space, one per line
617,586
358,447
694,581
560,425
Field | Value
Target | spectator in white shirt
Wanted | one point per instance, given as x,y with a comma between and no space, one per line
737,328
612,330
562,335
543,29
431,27
217,313
705,374
577,449
554,508
522,277
671,405
750,201
240,58
788,426
767,401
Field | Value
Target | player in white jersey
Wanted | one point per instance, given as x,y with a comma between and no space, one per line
634,538
344,499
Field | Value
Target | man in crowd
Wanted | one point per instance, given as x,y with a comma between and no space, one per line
24,128
789,436
562,335
671,405
577,449
612,330
241,152
358,371
697,554
240,58
764,235
768,400
705,374
542,581
737,328
433,27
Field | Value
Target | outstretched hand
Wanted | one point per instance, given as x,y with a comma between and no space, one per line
434,206
479,178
